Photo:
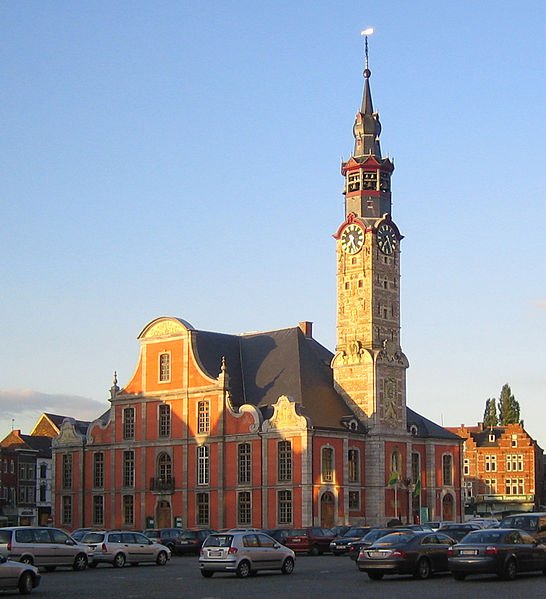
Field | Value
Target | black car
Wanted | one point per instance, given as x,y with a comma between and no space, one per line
368,539
189,541
340,545
500,551
406,552
165,536
459,531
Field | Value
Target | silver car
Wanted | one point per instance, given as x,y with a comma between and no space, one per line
118,547
15,575
244,553
44,546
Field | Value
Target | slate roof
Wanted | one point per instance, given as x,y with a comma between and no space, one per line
428,429
263,366
39,443
57,419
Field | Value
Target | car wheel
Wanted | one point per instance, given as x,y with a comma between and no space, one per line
80,563
314,550
207,573
243,569
375,575
119,561
510,570
26,583
459,576
422,571
161,559
27,559
287,566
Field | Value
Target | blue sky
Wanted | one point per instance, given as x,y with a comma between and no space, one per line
183,159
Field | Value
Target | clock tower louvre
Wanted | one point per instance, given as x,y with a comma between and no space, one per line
369,365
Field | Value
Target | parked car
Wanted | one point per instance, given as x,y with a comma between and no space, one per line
79,533
44,546
368,539
485,522
339,531
312,540
15,575
406,552
437,524
244,553
533,523
340,545
117,547
501,551
164,536
459,531
190,540
279,534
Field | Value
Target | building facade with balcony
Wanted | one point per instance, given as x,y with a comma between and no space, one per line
503,469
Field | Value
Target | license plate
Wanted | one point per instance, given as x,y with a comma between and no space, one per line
215,553
468,552
376,554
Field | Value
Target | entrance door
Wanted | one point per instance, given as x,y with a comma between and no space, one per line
164,516
447,508
327,505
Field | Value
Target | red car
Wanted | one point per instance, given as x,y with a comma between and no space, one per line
312,540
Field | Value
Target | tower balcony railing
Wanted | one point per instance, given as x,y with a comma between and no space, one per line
162,484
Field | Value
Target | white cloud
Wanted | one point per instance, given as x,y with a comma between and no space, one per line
21,408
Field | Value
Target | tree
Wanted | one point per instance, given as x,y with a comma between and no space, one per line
490,417
509,409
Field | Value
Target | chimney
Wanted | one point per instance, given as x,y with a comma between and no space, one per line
306,328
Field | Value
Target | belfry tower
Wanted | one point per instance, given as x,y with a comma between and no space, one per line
369,365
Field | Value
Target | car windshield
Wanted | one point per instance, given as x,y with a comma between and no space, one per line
152,534
484,536
373,535
218,541
355,532
397,538
524,522
297,532
93,537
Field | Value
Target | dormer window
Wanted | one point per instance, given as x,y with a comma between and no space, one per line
491,437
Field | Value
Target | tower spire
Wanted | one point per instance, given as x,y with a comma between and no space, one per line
367,127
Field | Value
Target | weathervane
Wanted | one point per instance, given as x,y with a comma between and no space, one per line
366,33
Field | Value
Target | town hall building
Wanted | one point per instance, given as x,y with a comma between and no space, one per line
271,429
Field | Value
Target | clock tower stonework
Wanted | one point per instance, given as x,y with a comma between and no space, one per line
369,365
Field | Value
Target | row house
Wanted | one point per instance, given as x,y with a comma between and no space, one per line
503,469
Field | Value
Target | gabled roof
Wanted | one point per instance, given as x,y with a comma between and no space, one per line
57,420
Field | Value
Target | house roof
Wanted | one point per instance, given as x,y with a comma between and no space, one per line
263,366
428,429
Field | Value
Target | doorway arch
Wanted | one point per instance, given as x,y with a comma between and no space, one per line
163,514
447,507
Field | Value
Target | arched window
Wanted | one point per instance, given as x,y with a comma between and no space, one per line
353,464
164,467
447,469
396,462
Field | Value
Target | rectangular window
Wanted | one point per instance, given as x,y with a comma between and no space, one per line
164,367
202,465
203,419
354,500
327,468
67,471
284,507
244,463
43,470
466,467
284,461
128,509
67,509
202,509
164,421
447,469
520,463
98,470
98,510
353,182
128,423
415,467
353,463
490,463
244,510
491,486
514,440
43,493
129,468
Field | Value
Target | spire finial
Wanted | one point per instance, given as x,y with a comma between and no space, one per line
366,33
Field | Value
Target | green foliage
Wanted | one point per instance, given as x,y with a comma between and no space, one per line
490,417
509,410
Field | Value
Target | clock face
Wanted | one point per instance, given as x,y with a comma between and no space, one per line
352,238
387,239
